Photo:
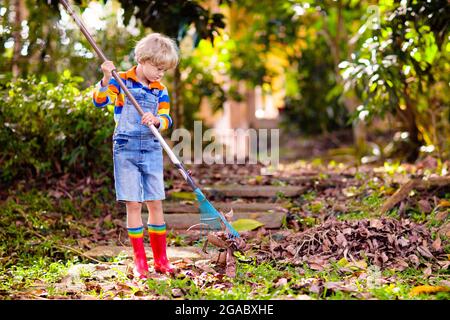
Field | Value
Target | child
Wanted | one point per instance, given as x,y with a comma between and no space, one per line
137,154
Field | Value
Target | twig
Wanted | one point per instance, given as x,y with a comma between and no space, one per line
195,225
58,246
217,241
83,254
404,190
270,246
62,246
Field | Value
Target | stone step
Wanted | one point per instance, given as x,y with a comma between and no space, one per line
244,191
177,207
173,253
271,220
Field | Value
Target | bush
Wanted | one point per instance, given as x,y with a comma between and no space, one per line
314,102
52,128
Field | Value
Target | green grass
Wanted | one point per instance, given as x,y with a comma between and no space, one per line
354,215
42,271
258,281
252,281
34,228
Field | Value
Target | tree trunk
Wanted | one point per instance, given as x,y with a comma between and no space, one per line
351,103
359,128
17,39
177,103
408,117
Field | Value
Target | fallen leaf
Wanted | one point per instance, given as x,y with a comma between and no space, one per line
230,269
340,286
376,223
177,293
246,224
315,266
183,195
204,265
84,242
93,286
139,293
445,230
343,262
56,194
437,243
215,240
427,272
441,216
361,264
314,288
281,282
444,203
428,289
424,206
445,283
425,252
229,215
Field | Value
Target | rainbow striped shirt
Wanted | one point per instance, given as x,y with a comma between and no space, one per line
112,93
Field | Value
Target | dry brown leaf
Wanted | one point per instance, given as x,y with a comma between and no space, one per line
177,293
441,216
204,265
315,288
427,272
230,270
425,252
281,282
424,206
215,240
376,223
437,243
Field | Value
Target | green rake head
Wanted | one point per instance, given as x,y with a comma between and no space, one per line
211,217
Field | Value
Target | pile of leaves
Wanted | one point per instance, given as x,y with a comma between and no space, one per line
227,246
384,242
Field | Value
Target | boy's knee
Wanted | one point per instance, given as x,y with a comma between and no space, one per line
154,204
131,205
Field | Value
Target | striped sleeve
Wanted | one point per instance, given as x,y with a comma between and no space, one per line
103,96
164,110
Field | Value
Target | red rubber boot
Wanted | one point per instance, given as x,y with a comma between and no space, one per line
159,245
136,236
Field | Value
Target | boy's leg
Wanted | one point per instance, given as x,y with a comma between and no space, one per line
136,235
157,233
134,217
155,212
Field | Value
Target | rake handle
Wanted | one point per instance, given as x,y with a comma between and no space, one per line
122,85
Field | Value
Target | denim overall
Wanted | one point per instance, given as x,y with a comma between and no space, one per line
137,154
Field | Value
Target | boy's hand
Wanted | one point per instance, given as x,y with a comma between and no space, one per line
148,118
107,68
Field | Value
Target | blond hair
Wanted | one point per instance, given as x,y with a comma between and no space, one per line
158,49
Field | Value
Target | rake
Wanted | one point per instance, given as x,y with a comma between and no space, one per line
208,214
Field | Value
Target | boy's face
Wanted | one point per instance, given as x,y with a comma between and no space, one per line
151,72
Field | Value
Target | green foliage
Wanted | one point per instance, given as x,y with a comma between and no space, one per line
174,17
305,35
48,44
201,79
52,128
316,105
22,223
401,67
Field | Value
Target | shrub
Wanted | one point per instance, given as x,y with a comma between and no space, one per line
52,128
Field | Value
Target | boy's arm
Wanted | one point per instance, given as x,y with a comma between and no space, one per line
104,95
165,121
